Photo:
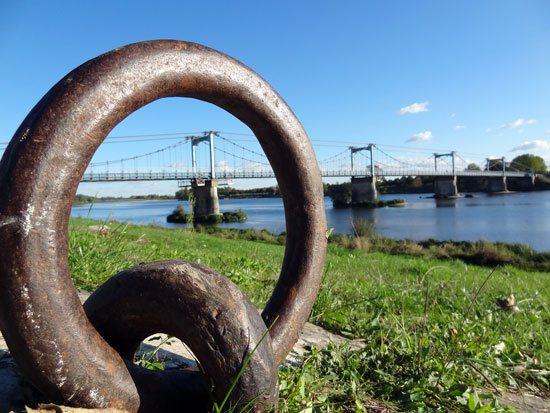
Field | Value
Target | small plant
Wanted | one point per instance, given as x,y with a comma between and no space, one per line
149,360
218,408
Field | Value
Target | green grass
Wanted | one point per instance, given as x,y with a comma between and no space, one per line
432,338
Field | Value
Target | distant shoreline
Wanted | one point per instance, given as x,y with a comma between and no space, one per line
107,199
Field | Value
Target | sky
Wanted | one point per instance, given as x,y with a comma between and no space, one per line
469,76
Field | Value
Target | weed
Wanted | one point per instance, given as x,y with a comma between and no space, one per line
219,408
362,227
150,360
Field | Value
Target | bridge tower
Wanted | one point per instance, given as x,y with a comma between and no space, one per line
445,184
204,190
497,183
363,188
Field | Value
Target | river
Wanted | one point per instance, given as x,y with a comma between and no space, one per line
521,217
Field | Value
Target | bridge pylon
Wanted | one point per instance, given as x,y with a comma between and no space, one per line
497,183
363,188
206,201
445,184
205,191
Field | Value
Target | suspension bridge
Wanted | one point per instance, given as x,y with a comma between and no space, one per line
228,160
203,161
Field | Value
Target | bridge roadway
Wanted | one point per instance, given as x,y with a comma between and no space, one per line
188,175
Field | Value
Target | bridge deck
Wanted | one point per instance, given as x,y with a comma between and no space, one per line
187,175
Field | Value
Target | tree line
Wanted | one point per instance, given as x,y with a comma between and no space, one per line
230,192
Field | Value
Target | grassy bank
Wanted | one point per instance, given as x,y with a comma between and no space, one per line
481,252
471,252
432,334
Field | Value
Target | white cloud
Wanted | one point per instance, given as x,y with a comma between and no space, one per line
421,137
414,108
224,166
532,145
452,115
547,132
458,127
256,166
517,123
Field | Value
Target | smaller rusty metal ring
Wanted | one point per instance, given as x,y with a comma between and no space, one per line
207,312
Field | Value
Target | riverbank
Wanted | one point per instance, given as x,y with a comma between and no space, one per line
432,330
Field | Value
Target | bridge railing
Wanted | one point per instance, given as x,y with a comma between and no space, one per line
168,176
187,175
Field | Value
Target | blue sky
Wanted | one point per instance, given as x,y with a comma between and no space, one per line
468,76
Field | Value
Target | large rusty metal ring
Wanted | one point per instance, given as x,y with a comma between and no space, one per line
41,317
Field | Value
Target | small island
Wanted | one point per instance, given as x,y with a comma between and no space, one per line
178,216
345,203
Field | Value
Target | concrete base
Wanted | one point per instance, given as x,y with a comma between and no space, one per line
497,184
445,187
363,190
206,197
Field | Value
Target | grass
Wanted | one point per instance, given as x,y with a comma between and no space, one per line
478,252
433,338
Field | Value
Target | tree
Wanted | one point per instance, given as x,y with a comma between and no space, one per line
473,167
417,182
496,165
528,162
182,194
340,194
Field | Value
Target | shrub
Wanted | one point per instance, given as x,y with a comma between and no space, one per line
362,227
487,253
238,216
408,248
179,216
209,218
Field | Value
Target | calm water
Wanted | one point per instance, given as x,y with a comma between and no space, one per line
513,218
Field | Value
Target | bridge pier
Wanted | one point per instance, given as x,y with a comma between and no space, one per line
526,183
363,190
445,187
206,197
497,184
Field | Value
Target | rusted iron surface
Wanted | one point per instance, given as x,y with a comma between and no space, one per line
204,310
41,318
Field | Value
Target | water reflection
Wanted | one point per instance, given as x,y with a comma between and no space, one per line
370,214
445,202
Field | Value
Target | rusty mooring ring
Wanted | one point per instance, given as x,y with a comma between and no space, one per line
41,317
207,312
